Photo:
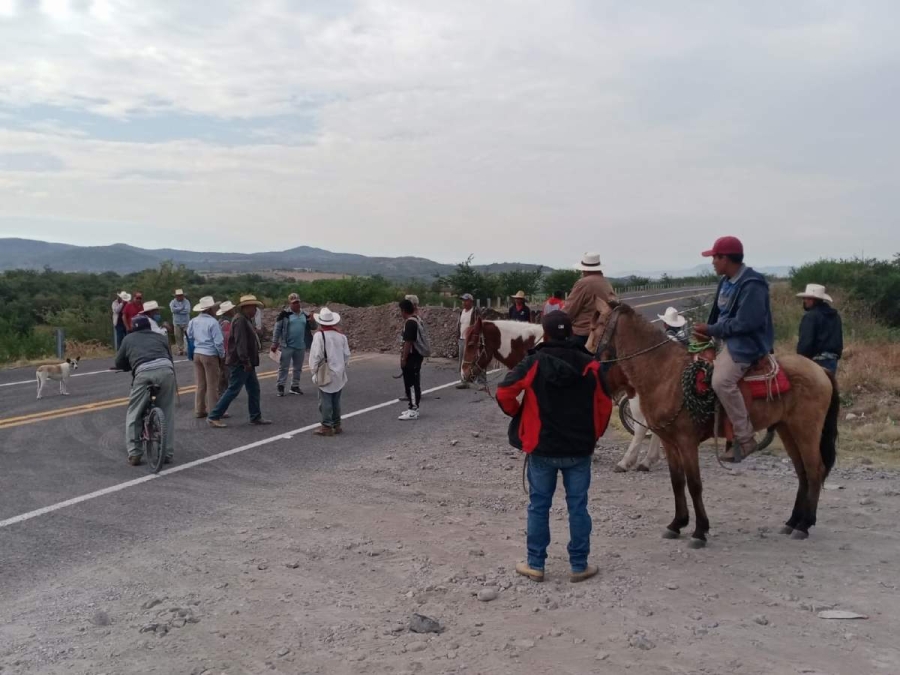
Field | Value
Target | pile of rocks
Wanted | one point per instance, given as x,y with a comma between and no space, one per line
378,329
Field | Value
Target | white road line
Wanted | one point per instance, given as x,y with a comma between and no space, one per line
197,462
95,372
670,292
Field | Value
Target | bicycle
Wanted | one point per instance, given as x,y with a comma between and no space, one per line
153,432
628,422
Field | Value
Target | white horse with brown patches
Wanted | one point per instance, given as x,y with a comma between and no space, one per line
506,341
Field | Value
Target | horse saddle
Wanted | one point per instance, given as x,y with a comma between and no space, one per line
765,379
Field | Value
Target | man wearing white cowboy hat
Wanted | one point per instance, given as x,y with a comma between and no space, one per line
821,333
581,305
519,310
675,324
180,307
204,332
242,360
122,299
225,314
151,311
331,348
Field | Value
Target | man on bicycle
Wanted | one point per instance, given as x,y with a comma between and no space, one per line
146,354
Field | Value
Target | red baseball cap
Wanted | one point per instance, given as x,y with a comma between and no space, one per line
725,246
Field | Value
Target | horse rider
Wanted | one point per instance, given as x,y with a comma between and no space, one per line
741,317
519,311
821,333
581,305
675,326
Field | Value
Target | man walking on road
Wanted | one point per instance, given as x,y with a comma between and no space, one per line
563,412
209,349
329,347
181,316
581,304
118,306
225,315
741,317
146,354
293,336
411,359
242,360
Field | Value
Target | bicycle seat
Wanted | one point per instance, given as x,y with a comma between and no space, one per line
154,390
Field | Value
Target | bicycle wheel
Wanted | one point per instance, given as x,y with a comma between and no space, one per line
155,439
767,439
625,414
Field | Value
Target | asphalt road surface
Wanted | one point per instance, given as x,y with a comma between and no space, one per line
67,494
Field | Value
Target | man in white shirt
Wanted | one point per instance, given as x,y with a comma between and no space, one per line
330,348
467,318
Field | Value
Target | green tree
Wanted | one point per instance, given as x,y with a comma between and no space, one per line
467,279
561,280
519,279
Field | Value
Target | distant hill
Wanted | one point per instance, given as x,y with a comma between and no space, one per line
123,259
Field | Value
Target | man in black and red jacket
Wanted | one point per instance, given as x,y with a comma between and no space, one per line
563,412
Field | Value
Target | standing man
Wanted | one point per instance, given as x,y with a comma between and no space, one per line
563,413
146,354
519,311
225,315
293,335
181,316
151,311
821,333
741,318
555,303
411,359
242,360
118,306
209,350
467,318
581,305
329,346
132,309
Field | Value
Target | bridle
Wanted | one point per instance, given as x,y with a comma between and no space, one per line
609,332
475,368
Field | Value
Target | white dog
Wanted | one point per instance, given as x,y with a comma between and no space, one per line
57,371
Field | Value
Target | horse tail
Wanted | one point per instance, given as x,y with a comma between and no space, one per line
828,444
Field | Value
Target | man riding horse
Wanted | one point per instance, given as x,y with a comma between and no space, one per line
741,316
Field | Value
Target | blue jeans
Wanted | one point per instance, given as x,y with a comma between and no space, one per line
330,407
239,379
289,357
576,473
829,364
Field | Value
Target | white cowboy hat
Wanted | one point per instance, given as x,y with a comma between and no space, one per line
326,317
124,296
178,291
414,299
816,292
590,262
519,296
672,318
249,300
150,306
206,302
226,306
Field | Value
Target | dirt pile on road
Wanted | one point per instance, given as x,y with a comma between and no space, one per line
378,329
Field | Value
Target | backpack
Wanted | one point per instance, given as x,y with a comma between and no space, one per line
422,345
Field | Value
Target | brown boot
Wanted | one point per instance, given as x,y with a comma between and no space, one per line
135,460
324,431
526,571
588,572
216,424
338,429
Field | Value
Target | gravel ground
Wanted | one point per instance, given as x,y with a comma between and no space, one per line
326,574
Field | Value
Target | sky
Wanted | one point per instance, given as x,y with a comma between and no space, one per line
526,131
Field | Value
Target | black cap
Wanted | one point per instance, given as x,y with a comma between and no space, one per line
557,325
140,323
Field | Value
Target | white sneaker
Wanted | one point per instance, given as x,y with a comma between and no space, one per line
409,415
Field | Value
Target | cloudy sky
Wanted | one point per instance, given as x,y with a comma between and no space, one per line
527,130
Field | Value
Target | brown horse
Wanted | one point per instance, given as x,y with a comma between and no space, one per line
805,417
506,341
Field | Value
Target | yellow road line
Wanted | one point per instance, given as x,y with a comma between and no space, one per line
9,422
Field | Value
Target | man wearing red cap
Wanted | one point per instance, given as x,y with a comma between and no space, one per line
741,317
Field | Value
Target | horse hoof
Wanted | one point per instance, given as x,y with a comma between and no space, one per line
799,535
620,469
787,529
671,534
643,467
697,543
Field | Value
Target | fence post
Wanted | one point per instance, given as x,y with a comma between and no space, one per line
60,343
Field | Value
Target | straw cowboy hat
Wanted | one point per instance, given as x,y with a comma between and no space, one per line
150,306
815,292
249,300
124,296
225,307
672,318
178,292
326,317
206,302
519,296
590,262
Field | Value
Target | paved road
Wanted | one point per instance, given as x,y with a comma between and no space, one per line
67,494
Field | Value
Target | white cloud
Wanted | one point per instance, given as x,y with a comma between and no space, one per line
526,130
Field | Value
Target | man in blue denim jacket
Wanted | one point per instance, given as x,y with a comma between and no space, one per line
741,317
